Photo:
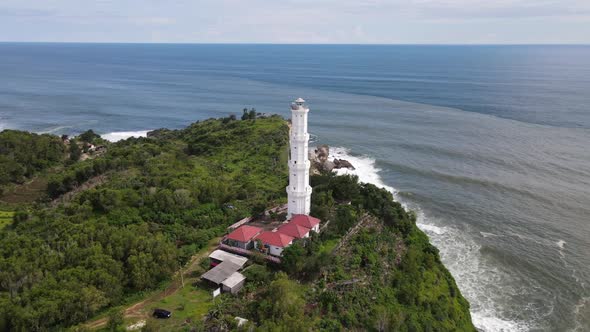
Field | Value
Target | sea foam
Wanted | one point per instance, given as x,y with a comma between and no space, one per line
121,135
460,253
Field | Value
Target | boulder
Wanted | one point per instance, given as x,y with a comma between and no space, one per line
341,163
312,156
328,166
322,152
319,161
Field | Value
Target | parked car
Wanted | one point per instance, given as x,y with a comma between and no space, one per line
161,313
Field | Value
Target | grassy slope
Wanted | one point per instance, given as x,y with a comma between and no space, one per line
5,218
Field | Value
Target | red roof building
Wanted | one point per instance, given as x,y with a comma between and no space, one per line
276,239
306,221
242,236
294,230
274,242
244,233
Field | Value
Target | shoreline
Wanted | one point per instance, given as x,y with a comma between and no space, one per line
116,136
483,314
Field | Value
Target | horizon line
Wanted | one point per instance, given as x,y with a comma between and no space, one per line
295,44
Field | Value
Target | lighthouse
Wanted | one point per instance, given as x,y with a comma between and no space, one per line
298,191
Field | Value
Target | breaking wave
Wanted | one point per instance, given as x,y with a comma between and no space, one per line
121,135
459,252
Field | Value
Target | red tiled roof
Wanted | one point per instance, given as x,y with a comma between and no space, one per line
294,230
275,238
304,220
244,233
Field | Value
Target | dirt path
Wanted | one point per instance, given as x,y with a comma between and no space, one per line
137,310
351,232
93,182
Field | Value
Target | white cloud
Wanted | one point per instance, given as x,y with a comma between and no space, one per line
147,21
297,21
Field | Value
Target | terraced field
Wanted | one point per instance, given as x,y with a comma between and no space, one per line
5,218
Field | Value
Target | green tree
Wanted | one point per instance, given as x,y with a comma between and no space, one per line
252,114
75,151
293,258
115,319
88,136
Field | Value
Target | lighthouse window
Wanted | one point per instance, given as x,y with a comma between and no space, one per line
295,161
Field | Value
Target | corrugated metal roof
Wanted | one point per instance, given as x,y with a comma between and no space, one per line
233,280
223,256
221,272
240,222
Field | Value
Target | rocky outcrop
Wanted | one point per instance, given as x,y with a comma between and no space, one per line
322,153
341,163
319,159
328,166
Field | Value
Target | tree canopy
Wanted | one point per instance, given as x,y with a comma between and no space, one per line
24,154
160,200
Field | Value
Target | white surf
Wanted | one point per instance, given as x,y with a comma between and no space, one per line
458,251
122,135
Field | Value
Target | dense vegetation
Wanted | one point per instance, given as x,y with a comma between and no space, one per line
159,200
122,223
383,275
24,154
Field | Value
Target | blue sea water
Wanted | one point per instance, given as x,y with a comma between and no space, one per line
489,144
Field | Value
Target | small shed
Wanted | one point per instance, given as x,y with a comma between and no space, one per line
234,283
221,272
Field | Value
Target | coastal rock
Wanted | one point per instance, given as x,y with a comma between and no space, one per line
311,155
322,152
341,163
328,166
320,162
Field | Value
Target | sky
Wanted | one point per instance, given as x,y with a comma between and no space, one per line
298,21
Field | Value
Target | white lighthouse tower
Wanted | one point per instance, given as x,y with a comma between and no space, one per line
299,191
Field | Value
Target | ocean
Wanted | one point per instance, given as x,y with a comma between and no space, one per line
490,145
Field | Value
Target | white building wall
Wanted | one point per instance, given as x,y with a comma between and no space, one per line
235,289
299,191
275,251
